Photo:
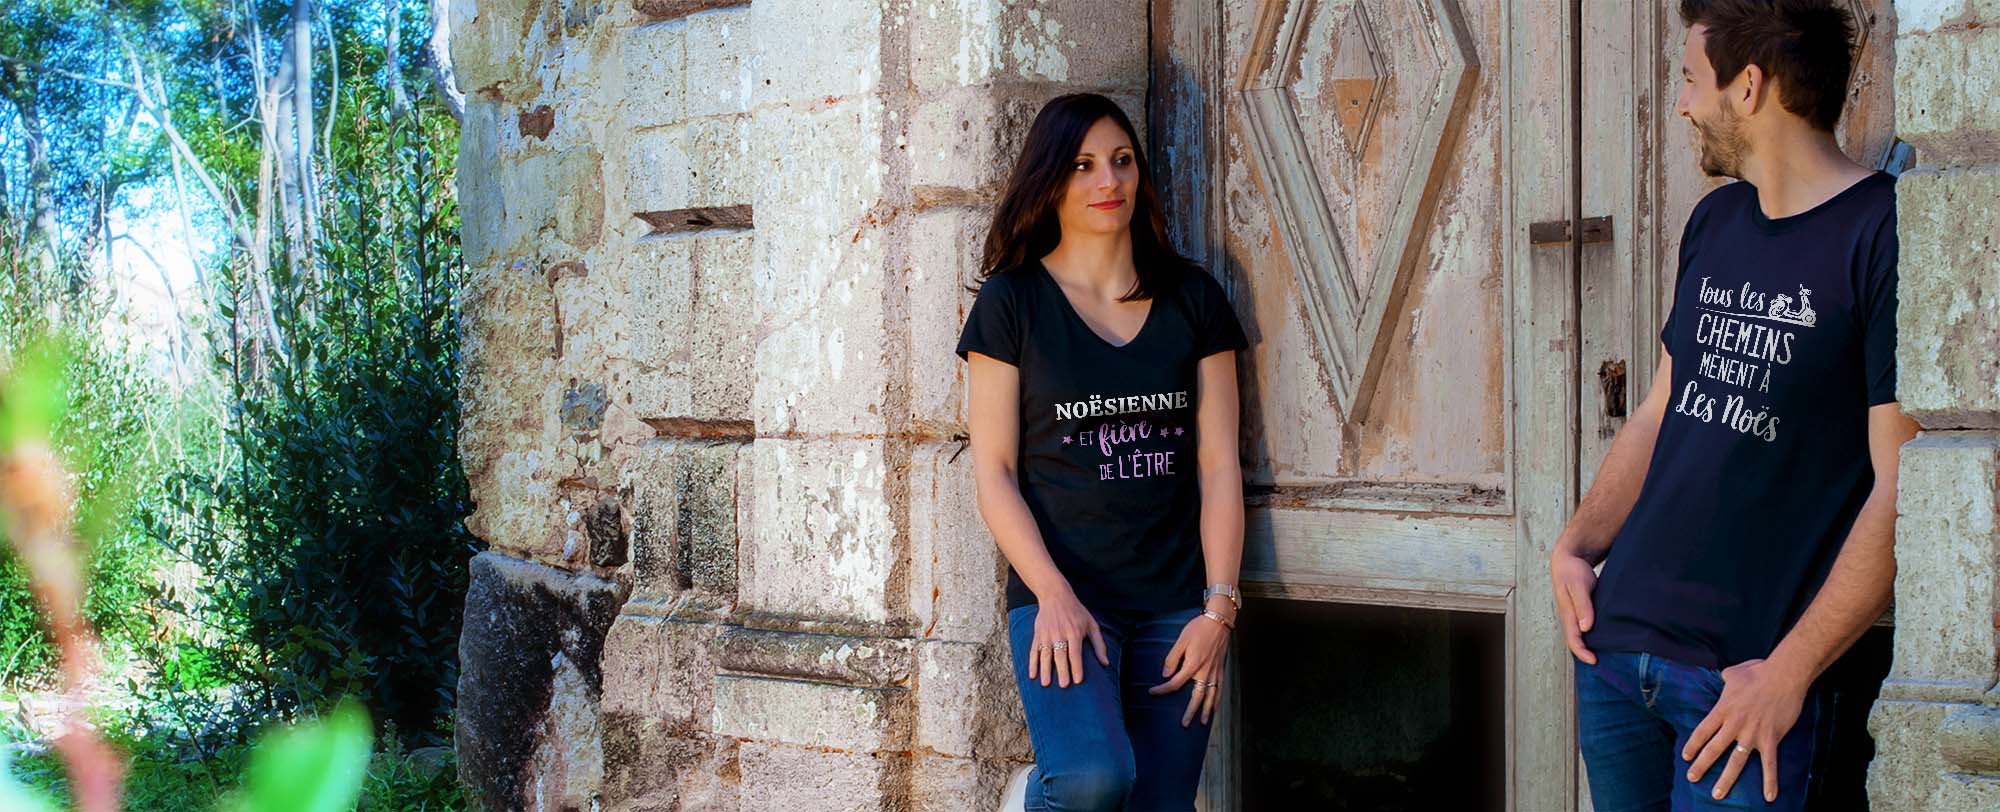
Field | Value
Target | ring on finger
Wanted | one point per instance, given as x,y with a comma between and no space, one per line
1060,645
1741,749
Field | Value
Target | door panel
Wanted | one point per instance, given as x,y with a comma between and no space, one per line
1361,216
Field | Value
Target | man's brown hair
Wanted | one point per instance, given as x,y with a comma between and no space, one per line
1806,45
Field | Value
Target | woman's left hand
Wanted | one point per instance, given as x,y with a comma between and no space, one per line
1198,655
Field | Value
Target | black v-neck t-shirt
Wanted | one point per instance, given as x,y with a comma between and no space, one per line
1783,335
1107,457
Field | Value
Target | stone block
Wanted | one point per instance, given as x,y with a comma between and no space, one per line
721,351
812,714
662,670
967,703
1074,44
821,540
1907,764
957,575
508,396
594,341
1948,341
684,516
689,301
493,42
720,168
1929,15
479,193
814,780
1947,539
718,68
659,280
529,734
655,61
811,50
968,138
660,178
956,784
649,768
1945,84
870,662
820,280
546,195
1958,792
944,246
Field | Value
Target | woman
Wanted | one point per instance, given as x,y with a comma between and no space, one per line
1103,411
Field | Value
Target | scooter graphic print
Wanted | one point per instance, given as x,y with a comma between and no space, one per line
1804,315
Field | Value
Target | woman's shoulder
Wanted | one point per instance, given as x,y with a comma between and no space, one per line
1196,286
1008,284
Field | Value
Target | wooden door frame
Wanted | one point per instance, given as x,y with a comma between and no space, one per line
1539,142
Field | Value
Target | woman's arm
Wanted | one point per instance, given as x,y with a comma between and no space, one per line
1221,476
1199,653
994,403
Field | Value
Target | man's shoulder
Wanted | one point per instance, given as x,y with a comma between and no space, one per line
1731,196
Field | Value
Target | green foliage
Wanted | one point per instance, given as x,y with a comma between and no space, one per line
334,542
99,409
15,797
314,767
321,764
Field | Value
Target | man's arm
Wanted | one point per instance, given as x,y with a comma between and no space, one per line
1761,698
1863,578
1587,538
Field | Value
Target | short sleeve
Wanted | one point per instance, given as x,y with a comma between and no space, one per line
993,328
1689,242
1216,326
1878,315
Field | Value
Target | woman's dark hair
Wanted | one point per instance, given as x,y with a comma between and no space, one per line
1807,45
1025,227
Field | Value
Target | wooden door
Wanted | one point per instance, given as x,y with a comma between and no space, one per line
1363,175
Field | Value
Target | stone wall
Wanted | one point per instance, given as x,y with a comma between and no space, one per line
712,421
1937,724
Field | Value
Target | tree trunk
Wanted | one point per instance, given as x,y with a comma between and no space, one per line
302,105
443,80
38,235
392,58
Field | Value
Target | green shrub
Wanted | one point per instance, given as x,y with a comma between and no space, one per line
333,541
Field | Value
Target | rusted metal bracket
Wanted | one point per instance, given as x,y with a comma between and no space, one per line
1611,377
1557,232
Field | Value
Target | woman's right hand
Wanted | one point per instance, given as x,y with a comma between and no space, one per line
1062,626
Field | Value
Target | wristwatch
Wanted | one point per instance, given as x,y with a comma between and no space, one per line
1225,590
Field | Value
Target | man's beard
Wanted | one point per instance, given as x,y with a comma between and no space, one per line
1720,141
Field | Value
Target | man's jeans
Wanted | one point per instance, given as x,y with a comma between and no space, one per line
1634,713
1107,745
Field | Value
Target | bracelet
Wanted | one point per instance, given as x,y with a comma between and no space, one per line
1226,622
1225,590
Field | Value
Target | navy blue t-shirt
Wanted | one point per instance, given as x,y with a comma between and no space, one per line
1107,456
1782,334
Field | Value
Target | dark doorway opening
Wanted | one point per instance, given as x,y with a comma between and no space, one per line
1372,709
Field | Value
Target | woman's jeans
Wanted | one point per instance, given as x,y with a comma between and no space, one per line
1634,713
1106,744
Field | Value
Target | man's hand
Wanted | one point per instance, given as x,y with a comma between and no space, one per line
1574,580
1760,703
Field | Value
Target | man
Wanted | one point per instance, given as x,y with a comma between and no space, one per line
1745,515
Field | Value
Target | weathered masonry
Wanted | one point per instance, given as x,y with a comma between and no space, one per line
721,251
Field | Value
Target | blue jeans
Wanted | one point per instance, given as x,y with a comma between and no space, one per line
1106,744
1634,713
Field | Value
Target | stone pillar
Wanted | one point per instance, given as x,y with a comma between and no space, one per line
712,420
1937,723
